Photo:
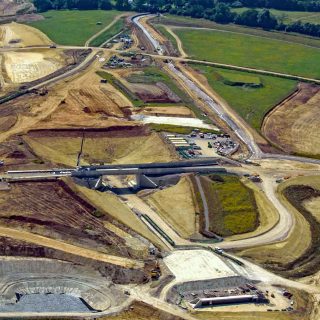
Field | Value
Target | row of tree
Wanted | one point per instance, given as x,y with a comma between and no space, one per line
215,10
45,5
290,5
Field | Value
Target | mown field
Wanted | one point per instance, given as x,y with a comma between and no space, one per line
289,16
251,96
251,51
73,27
171,20
232,206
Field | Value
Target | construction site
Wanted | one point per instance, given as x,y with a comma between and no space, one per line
129,190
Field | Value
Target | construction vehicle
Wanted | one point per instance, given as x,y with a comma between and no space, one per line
156,272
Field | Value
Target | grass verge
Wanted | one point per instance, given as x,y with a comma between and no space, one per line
107,34
122,88
232,206
177,129
167,35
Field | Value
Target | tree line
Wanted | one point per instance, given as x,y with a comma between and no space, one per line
290,5
45,5
215,10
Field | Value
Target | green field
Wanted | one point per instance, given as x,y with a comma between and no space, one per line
250,103
232,206
73,27
109,33
251,51
289,16
171,20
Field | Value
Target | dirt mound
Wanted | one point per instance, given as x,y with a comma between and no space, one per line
293,126
115,145
21,67
10,7
19,35
93,100
154,93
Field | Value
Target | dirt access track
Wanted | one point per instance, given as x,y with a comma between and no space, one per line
293,125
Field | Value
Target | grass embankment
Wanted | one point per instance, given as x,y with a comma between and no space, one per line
177,206
167,35
250,51
171,20
178,129
152,75
232,206
251,96
268,215
289,16
109,33
73,27
121,87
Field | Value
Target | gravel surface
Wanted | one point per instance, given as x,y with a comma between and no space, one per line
46,303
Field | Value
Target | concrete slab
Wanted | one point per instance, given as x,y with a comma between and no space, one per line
194,265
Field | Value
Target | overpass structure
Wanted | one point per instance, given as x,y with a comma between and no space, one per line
147,175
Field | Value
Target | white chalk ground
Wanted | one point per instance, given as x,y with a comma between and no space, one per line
29,66
194,265
176,121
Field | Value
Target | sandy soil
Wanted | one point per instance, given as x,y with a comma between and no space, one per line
177,206
28,66
87,103
294,124
19,35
